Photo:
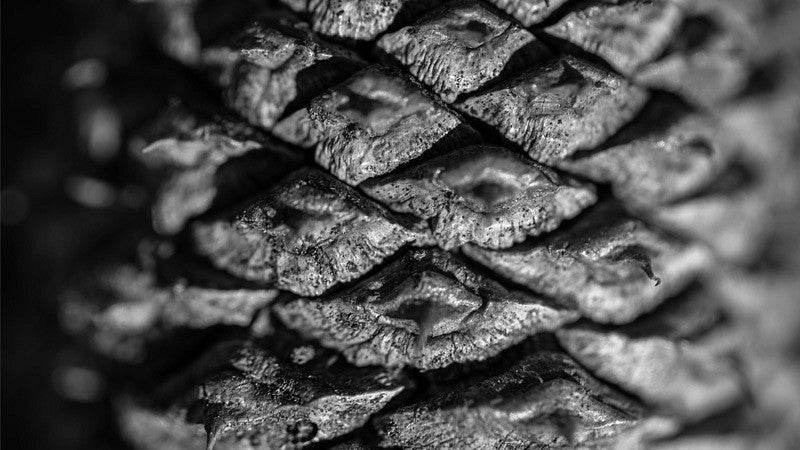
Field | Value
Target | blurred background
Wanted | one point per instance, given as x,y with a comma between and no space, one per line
64,122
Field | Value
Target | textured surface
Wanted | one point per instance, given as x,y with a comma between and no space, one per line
612,267
544,400
666,153
307,234
529,12
207,164
657,360
556,109
375,121
460,48
483,195
450,281
244,396
625,33
357,19
274,64
427,310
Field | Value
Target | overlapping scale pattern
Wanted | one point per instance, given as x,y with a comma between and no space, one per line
506,238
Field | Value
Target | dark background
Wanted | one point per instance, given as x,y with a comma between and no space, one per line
64,193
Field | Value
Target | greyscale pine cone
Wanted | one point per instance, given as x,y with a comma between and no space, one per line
509,224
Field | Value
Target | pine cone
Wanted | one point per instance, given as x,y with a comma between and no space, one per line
480,225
